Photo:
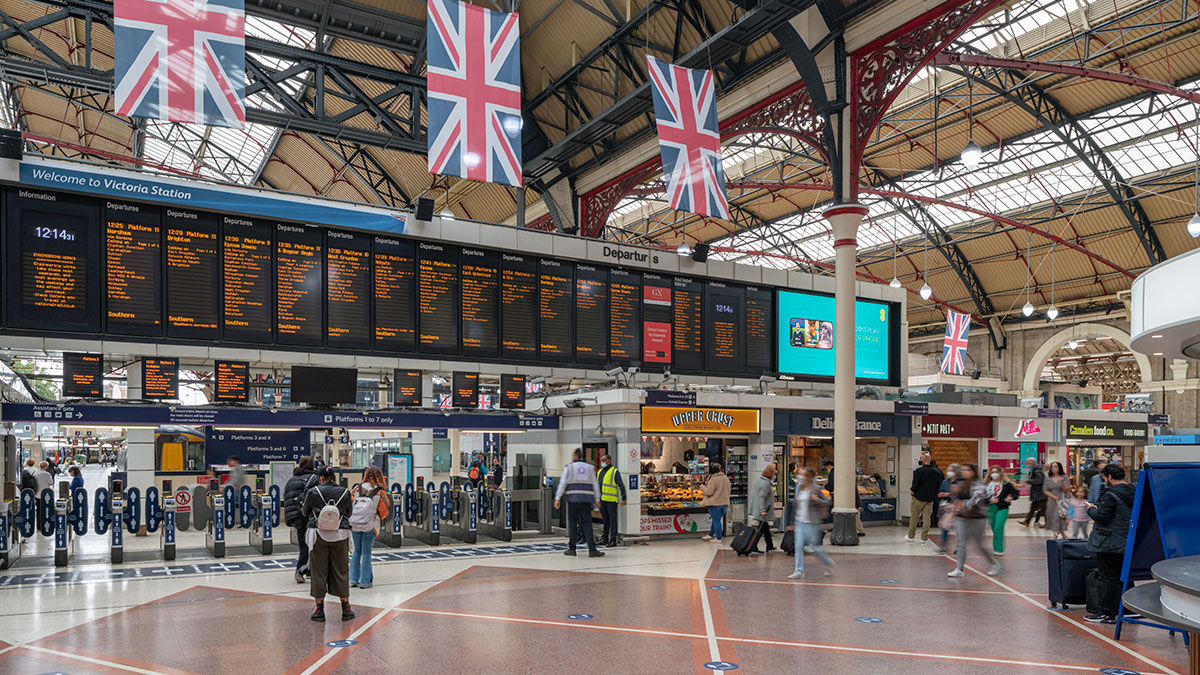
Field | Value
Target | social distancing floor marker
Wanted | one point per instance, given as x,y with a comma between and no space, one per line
351,638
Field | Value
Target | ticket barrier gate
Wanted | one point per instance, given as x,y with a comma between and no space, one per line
115,512
18,522
70,521
422,521
391,531
460,512
259,513
162,518
214,536
495,514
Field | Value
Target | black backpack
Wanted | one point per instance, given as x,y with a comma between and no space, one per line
28,482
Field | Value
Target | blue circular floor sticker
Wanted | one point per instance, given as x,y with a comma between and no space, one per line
889,581
719,588
580,617
721,665
341,643
868,619
1118,671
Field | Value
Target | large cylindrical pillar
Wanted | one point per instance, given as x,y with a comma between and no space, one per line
844,220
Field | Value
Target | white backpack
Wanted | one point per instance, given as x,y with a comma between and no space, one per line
330,518
362,515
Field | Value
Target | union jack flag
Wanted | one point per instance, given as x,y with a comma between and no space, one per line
181,60
474,84
686,113
954,349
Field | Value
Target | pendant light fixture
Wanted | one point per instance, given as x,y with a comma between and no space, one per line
1027,310
1193,226
971,153
895,282
1052,312
926,291
684,249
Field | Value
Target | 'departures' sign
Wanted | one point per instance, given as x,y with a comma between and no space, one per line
670,420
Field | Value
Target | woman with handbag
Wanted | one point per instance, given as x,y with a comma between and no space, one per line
369,510
1058,491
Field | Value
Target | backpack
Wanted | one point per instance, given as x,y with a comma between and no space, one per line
475,472
362,515
28,482
330,518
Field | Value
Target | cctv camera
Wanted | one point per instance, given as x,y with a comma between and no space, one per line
634,370
615,371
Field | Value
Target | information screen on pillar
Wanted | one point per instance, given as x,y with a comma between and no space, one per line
247,280
760,313
806,330
591,314
395,295
193,287
512,392
657,319
556,315
480,301
348,289
325,386
687,343
518,306
231,380
133,269
625,316
465,389
724,328
160,378
299,291
406,388
83,375
438,298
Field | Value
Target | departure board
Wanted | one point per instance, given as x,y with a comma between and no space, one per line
512,392
760,313
518,307
480,301
348,289
406,388
160,378
53,252
687,330
465,392
724,328
231,380
591,314
437,298
193,284
299,307
625,316
395,295
133,269
556,304
247,279
657,319
83,375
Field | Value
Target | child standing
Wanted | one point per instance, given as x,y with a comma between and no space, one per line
1079,516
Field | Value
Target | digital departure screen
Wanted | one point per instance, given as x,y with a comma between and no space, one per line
657,319
760,313
83,375
518,306
724,328
300,307
437,298
591,314
512,392
687,327
465,390
133,269
625,316
348,289
406,388
160,378
556,304
247,281
395,295
231,380
480,300
193,285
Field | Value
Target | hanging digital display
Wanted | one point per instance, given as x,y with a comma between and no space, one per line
348,289
406,388
591,314
246,280
83,375
133,269
518,307
805,330
760,313
231,381
160,378
395,295
556,305
656,319
625,316
512,392
193,284
724,328
437,298
299,306
465,392
687,349
480,300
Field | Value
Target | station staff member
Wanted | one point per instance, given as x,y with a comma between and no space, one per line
578,485
612,491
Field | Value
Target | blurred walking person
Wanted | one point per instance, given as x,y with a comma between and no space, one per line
972,496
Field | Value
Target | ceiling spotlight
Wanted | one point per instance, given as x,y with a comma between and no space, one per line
894,283
926,291
1194,225
1073,343
971,155
1052,313
1027,310
684,249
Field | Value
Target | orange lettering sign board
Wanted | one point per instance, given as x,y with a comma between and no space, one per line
670,420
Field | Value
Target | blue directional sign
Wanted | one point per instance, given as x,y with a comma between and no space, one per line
721,665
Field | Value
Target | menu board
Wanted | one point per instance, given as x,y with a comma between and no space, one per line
687,330
480,300
656,319
193,285
437,298
348,289
52,253
160,378
760,313
518,307
231,381
406,388
625,316
246,280
512,392
724,328
555,310
591,314
465,392
395,295
133,269
83,375
299,309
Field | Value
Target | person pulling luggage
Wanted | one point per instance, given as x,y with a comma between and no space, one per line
761,511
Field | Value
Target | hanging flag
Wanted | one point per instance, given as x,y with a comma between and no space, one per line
474,84
181,60
954,349
686,113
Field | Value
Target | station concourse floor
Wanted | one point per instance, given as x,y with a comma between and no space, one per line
668,607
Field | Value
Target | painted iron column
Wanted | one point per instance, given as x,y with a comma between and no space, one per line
844,220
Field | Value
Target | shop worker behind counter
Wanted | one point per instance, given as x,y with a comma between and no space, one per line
612,491
578,484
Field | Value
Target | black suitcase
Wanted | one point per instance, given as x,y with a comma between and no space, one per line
789,542
745,539
1068,562
1091,584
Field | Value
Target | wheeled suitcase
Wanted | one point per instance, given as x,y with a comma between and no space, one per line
745,540
789,542
1068,562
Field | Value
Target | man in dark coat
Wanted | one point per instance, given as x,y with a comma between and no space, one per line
1035,479
1111,515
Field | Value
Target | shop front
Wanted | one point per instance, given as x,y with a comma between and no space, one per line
678,445
956,439
1018,439
1117,440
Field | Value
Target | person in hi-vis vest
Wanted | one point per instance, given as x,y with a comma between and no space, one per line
612,491
578,484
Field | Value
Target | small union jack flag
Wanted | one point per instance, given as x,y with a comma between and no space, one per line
954,349
474,84
181,60
685,110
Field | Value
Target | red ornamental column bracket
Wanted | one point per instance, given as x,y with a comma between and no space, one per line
880,70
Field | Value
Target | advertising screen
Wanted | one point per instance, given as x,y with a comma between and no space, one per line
656,319
805,330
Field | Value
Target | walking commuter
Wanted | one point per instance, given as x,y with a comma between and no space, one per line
1079,515
947,507
237,475
1001,494
761,509
716,498
327,508
29,476
76,479
304,477
972,495
578,484
809,507
1096,484
369,510
612,490
476,472
1111,516
1035,478
1085,478
45,480
1057,490
925,483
